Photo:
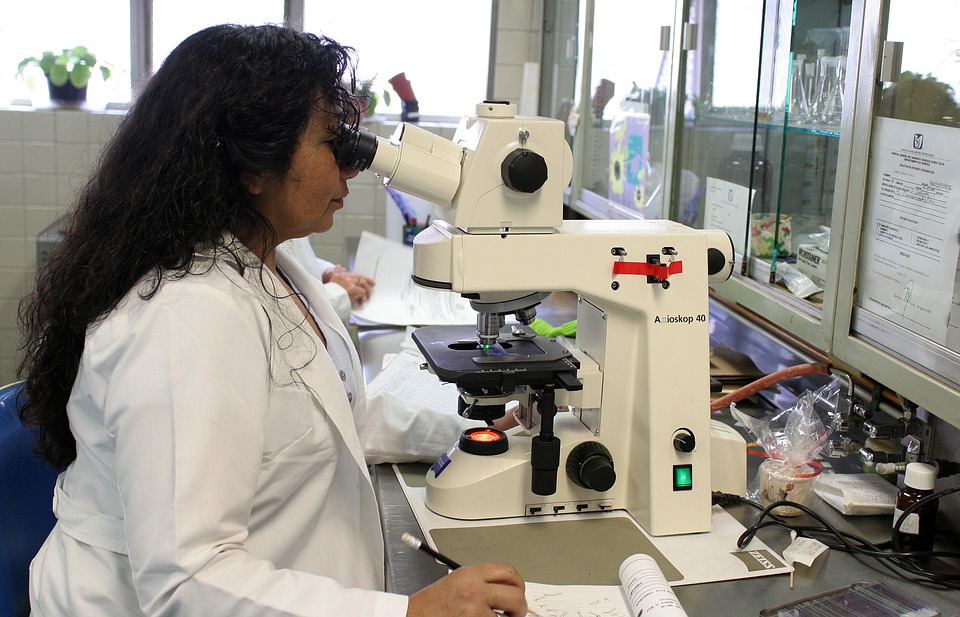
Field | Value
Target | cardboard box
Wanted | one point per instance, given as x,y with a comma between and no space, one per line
812,262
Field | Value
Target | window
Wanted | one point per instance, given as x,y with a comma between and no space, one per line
27,29
447,65
175,20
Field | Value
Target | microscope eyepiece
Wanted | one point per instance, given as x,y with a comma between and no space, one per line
356,149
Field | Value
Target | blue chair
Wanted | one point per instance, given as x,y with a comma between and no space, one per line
26,502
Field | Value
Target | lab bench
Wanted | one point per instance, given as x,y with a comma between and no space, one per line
409,570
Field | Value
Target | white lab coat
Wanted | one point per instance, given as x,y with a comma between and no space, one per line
219,467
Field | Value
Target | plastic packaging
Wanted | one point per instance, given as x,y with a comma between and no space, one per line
792,439
916,532
857,494
798,434
799,284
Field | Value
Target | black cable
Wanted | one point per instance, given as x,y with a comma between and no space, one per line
899,562
854,544
946,468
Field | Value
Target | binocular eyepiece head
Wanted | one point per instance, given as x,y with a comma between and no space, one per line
356,149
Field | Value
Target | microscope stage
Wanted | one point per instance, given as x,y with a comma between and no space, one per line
519,358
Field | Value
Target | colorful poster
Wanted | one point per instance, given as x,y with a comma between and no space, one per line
629,147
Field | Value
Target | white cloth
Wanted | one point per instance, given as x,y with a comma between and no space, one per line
219,467
301,249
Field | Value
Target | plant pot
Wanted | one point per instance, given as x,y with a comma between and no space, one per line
67,93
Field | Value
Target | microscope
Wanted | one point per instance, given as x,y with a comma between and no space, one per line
624,419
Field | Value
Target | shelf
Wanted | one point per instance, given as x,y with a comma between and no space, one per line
745,119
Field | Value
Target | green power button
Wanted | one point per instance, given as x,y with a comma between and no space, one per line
683,477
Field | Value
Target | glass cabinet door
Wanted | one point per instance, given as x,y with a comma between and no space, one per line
719,149
559,53
904,320
621,133
759,148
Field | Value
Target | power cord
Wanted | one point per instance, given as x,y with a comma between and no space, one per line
901,563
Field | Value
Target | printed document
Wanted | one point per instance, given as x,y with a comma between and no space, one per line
395,298
643,591
909,248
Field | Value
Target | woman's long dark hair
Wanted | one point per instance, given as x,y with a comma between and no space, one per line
228,101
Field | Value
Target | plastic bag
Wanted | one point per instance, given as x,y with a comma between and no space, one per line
798,434
799,284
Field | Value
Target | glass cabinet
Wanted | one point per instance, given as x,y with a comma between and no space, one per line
758,149
723,114
902,324
818,134
626,95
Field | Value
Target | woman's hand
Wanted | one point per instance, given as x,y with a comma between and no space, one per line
472,591
357,286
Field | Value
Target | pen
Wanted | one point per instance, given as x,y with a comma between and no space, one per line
416,542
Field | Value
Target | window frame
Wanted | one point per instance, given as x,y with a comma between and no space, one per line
141,37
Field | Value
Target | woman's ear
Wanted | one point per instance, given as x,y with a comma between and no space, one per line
254,183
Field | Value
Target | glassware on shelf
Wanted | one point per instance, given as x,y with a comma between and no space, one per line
831,108
799,101
816,90
810,91
820,84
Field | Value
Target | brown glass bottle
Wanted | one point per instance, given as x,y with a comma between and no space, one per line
917,531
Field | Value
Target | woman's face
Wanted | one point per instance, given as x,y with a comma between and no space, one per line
304,200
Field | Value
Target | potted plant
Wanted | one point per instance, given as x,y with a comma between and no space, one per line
67,72
371,97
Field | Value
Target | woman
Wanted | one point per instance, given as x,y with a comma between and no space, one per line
193,380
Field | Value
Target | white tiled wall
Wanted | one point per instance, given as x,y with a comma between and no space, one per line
46,155
518,42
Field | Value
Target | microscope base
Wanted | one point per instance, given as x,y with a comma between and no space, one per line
473,487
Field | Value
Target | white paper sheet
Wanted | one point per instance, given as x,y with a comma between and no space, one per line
576,600
403,378
909,248
395,298
726,207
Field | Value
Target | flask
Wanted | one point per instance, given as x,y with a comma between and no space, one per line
917,530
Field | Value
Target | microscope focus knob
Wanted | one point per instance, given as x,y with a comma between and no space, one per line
590,465
684,441
524,171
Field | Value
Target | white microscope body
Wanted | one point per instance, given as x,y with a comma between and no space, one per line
637,431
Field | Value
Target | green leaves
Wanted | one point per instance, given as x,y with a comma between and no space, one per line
80,75
74,65
58,74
